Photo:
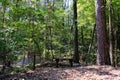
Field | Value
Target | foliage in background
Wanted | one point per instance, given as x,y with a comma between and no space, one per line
45,27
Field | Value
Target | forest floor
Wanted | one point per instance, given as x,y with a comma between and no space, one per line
92,72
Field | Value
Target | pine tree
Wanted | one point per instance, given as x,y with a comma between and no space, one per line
103,57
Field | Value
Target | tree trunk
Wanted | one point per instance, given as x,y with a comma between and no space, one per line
34,61
76,54
111,36
103,57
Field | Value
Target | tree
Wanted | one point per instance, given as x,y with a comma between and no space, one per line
102,44
111,35
76,54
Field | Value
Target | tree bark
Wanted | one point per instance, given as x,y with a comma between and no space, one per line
103,57
111,35
76,54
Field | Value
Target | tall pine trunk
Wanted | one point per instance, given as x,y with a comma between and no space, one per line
103,57
76,54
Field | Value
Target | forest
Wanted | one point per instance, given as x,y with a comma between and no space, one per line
59,40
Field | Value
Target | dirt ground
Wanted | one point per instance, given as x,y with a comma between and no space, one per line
92,72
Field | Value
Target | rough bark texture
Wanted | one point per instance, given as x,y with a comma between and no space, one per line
103,57
76,54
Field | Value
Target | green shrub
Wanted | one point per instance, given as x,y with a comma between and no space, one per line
10,69
30,66
22,70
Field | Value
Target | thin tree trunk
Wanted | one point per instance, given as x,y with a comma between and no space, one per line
102,44
76,54
34,61
111,36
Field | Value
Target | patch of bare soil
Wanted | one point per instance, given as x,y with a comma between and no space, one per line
69,73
